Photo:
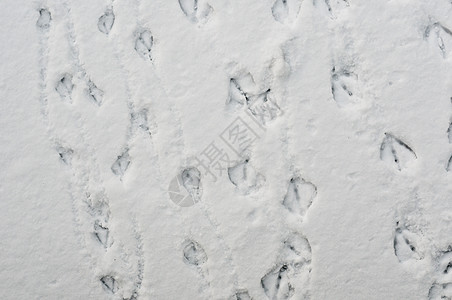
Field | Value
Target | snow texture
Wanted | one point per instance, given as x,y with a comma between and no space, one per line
205,149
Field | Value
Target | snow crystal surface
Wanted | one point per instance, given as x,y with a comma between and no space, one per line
208,149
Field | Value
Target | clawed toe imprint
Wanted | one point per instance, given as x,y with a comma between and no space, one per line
405,244
144,43
395,152
106,21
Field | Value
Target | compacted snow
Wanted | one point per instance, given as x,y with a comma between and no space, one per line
213,149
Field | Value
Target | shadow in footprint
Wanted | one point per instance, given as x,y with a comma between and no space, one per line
245,177
44,19
65,154
236,94
300,195
106,21
276,283
64,87
109,284
121,164
286,11
194,254
449,133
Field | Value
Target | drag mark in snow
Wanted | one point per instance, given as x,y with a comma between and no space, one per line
139,117
191,181
395,152
186,190
240,86
140,264
239,136
179,194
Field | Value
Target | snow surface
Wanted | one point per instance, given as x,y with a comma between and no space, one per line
208,149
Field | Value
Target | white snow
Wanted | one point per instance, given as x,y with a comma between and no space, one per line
207,149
